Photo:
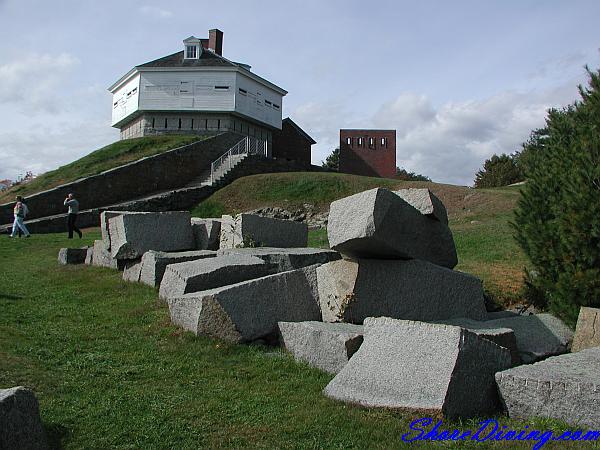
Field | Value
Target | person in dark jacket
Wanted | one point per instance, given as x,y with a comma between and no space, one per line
73,205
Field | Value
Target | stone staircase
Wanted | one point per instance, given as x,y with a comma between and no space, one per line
210,178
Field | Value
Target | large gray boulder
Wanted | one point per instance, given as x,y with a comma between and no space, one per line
587,332
20,423
538,335
209,273
101,257
207,233
286,258
565,387
425,202
249,310
132,269
246,230
154,264
132,235
379,224
350,291
504,337
441,369
72,255
326,346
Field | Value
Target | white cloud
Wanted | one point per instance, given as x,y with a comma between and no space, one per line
32,82
449,144
47,147
155,12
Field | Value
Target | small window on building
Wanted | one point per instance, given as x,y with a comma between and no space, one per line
275,106
349,141
383,142
192,125
153,122
222,88
133,91
371,142
165,122
219,124
191,52
267,102
179,126
360,142
115,104
243,91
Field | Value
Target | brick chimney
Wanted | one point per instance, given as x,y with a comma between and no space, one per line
215,41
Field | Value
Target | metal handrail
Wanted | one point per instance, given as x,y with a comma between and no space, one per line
247,146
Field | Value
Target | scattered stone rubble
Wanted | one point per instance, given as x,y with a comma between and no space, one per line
72,255
429,343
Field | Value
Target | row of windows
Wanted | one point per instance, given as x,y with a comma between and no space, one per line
360,142
237,126
267,102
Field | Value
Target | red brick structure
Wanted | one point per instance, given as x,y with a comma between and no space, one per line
368,152
292,142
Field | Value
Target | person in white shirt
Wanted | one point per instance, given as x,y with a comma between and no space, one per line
20,211
73,205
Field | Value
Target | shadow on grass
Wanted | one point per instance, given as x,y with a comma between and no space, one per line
57,434
10,297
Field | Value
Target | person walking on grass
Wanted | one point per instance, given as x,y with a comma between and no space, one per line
20,211
73,205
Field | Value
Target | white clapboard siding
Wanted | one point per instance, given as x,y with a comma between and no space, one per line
125,99
176,91
258,101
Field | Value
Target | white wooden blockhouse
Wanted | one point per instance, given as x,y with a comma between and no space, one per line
196,90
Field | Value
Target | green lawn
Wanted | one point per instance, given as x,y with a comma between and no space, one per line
113,155
111,372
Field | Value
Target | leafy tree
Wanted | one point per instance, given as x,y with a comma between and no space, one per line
404,175
332,162
498,171
558,216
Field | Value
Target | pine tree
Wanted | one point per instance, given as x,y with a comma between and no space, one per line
332,162
498,171
558,216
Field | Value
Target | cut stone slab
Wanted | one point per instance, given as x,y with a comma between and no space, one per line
538,336
565,387
379,224
132,269
72,255
89,256
101,257
207,233
504,337
105,216
425,202
587,332
350,291
253,230
155,263
132,235
287,258
424,367
326,346
249,310
209,273
20,423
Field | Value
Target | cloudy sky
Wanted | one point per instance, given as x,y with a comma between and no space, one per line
458,80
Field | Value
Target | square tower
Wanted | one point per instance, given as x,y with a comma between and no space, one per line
368,152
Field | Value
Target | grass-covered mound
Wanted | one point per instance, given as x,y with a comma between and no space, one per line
479,218
113,155
110,371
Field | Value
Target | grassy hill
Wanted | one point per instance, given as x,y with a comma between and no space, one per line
113,155
479,218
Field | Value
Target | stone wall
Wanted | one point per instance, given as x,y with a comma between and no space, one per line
169,170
